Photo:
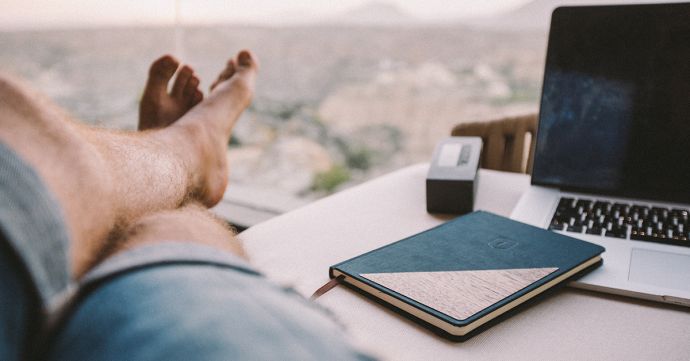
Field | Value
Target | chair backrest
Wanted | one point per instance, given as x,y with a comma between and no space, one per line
505,142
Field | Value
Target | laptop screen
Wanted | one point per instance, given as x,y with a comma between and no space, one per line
615,106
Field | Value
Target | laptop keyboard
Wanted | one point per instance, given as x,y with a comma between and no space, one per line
622,220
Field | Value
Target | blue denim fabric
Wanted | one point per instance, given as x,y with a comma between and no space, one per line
34,271
19,306
165,301
192,311
32,223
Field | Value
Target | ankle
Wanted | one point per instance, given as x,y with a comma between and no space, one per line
205,159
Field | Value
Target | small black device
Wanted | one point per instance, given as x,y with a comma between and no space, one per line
452,179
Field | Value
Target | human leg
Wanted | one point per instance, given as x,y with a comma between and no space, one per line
188,302
106,179
191,223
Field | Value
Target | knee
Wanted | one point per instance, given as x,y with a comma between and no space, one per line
8,85
15,96
26,114
191,223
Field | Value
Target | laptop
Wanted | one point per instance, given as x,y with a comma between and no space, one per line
612,155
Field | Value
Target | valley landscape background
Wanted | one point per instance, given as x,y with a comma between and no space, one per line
337,102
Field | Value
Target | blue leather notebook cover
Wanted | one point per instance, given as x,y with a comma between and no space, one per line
468,268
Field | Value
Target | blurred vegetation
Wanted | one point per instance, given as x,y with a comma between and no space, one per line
329,180
288,111
360,158
234,141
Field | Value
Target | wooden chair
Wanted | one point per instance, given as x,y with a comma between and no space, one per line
504,142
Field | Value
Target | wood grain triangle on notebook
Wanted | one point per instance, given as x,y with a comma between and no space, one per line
459,294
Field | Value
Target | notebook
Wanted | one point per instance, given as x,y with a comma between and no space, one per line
459,276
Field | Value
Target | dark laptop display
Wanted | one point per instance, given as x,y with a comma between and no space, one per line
615,107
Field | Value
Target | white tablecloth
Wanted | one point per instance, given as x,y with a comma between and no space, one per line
297,248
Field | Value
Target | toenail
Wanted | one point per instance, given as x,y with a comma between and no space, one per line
245,58
168,60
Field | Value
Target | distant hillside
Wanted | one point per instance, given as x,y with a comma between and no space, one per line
536,15
374,13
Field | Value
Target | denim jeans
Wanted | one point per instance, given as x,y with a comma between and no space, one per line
170,300
194,310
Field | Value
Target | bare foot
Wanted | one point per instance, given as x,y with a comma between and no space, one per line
160,108
210,124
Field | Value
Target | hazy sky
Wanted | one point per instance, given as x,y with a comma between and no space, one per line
48,13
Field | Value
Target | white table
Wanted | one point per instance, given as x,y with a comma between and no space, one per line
297,248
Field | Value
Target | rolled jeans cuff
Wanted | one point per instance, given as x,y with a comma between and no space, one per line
31,221
164,253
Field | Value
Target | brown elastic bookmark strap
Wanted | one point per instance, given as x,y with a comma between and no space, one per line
327,287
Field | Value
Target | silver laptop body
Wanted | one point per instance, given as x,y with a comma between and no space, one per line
612,157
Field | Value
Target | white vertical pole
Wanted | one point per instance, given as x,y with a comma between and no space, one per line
179,32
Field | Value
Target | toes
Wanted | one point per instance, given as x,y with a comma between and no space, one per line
229,70
160,73
245,65
191,87
184,75
163,68
226,74
196,98
247,60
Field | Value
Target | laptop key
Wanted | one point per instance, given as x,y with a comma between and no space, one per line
641,236
565,203
601,205
621,220
620,207
594,230
682,214
574,229
585,204
556,227
658,210
615,234
659,238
